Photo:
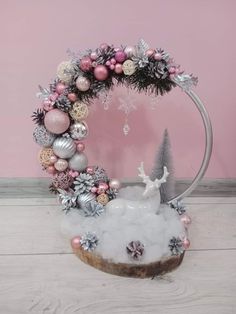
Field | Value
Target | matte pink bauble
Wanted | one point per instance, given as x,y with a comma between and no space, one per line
61,164
118,68
150,52
94,189
90,170
172,70
72,97
115,184
186,220
113,61
51,170
112,66
80,147
85,64
56,121
108,63
60,88
120,56
82,83
104,46
75,243
102,187
186,243
157,56
93,55
101,72
53,159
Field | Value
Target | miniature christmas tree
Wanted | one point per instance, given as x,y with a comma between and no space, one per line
164,158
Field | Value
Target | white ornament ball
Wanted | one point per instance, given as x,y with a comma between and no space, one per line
78,162
82,83
79,130
65,71
64,147
128,67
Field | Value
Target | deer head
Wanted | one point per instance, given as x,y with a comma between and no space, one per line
152,186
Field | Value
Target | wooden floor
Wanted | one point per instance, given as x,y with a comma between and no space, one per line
39,274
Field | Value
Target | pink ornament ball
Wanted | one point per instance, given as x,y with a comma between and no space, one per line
150,52
186,243
113,61
47,105
172,70
104,46
157,56
60,88
61,164
114,184
108,63
80,147
85,64
72,97
90,170
185,219
112,67
51,170
94,189
53,159
82,83
118,68
75,242
101,72
56,121
120,56
102,187
93,55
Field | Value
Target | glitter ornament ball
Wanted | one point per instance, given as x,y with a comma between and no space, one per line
43,137
62,180
101,72
79,130
61,165
78,162
60,88
79,111
82,83
103,199
128,67
85,64
45,156
120,56
65,71
56,121
64,147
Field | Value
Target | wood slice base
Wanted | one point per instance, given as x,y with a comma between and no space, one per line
129,270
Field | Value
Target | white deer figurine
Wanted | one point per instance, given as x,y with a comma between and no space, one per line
149,202
151,186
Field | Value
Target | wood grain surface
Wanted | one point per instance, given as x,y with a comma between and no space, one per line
40,274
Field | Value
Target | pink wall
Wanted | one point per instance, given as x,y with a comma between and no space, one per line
199,34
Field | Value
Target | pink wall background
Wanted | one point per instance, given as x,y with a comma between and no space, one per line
198,34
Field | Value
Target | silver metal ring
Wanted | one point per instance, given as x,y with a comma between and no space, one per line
208,145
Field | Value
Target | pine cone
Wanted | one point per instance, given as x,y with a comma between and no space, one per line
63,103
176,246
135,249
38,116
111,194
105,55
89,241
83,183
93,209
100,175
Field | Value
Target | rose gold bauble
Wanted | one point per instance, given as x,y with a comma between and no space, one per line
56,121
75,242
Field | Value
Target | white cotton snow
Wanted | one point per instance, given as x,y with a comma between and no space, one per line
131,218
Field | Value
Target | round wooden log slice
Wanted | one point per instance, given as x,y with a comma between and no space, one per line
129,270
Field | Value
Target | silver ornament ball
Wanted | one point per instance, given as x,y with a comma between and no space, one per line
79,130
85,198
64,147
78,162
43,137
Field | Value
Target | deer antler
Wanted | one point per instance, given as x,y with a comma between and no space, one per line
142,174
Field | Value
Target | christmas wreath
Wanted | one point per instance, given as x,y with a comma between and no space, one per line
93,202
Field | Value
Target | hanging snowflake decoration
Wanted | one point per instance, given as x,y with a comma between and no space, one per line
176,246
89,241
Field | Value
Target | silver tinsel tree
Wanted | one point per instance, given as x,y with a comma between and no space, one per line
164,158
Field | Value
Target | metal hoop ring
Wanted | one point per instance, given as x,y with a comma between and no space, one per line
208,145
